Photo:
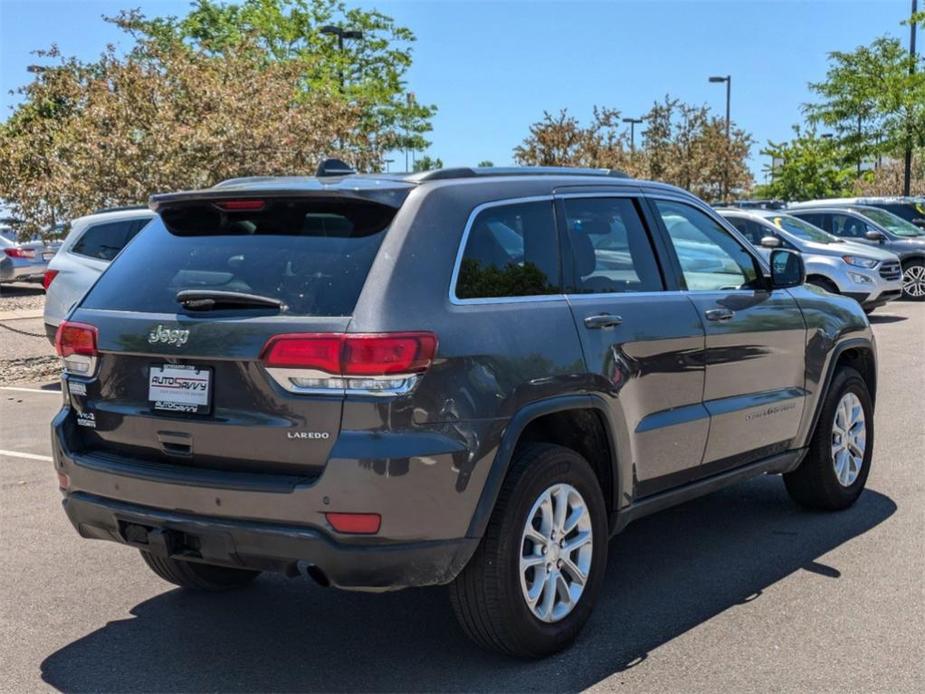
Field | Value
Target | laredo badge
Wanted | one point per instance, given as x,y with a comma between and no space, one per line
86,419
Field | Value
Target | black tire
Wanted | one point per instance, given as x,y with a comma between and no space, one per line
823,283
815,484
917,267
487,596
196,576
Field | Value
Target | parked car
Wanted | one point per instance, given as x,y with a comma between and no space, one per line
872,277
22,262
856,224
384,381
911,209
89,247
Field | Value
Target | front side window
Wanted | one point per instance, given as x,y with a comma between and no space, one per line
749,229
710,258
511,250
848,226
611,251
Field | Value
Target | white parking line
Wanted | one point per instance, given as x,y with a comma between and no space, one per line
30,390
27,456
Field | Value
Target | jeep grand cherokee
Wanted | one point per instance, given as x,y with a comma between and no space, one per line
471,377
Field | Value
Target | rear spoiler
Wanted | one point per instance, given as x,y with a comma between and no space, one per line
381,191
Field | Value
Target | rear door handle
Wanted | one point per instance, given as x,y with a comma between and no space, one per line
719,314
602,320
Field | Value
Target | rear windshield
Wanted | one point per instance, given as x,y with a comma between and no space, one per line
312,256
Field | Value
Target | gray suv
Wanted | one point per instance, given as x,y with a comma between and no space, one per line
873,226
471,377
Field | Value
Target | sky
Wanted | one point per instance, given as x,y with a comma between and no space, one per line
493,67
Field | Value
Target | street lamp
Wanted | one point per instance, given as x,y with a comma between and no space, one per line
387,162
728,80
632,122
342,35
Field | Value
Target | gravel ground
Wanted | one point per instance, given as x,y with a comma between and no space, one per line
25,353
21,297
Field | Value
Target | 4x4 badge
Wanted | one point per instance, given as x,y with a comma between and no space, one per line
172,337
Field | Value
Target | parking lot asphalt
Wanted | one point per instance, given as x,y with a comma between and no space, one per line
737,591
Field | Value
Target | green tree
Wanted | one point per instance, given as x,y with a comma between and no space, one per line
806,167
427,163
368,72
872,101
486,163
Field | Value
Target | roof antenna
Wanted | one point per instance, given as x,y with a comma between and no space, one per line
333,167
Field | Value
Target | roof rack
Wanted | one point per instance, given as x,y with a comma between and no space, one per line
121,208
479,171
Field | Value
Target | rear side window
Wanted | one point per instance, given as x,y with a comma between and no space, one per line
104,241
511,250
611,251
313,256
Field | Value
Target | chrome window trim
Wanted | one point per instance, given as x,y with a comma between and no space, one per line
461,250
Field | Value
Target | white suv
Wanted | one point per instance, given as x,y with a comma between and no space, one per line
90,246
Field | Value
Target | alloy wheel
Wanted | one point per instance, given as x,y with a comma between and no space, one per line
914,281
849,439
555,553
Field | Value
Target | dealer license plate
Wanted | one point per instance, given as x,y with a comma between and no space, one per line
176,388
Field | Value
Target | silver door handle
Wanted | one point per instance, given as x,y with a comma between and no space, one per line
602,320
719,314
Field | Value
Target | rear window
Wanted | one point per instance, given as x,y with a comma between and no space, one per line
313,256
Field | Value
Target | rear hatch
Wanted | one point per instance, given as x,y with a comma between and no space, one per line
184,314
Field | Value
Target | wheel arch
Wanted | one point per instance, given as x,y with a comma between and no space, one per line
545,421
857,353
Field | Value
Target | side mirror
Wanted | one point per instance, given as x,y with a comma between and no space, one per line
787,269
874,235
770,242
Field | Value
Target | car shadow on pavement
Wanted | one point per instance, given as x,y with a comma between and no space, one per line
887,318
22,289
666,575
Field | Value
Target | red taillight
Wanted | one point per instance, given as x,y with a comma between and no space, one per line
355,523
75,338
19,252
352,355
396,353
49,277
305,351
241,205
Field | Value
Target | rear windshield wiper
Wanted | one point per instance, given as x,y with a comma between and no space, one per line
208,299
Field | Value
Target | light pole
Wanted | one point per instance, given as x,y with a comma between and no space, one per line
728,80
907,156
632,122
342,35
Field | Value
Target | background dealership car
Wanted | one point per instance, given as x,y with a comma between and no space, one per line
90,246
871,276
23,262
298,375
911,209
856,224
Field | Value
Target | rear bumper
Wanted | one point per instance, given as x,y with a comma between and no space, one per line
290,550
276,522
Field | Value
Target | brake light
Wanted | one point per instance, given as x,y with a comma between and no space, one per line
241,205
76,345
49,277
381,363
19,252
355,523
